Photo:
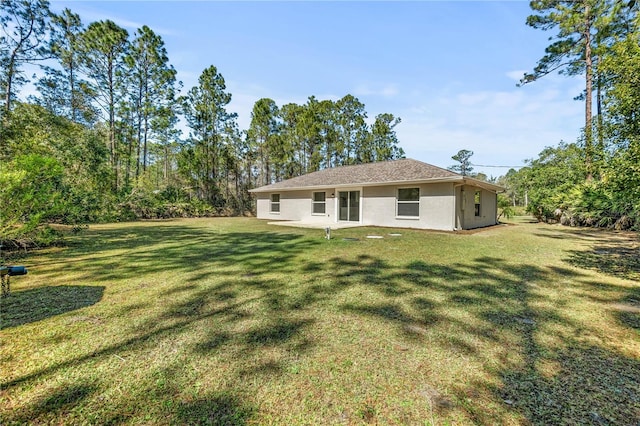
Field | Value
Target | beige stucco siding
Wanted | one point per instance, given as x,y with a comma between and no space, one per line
262,205
295,205
488,207
442,206
379,207
437,206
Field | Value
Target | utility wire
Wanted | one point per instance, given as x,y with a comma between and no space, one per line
505,167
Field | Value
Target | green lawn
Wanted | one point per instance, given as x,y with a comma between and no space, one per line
233,321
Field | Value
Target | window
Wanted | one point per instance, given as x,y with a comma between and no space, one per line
476,200
319,203
408,202
275,203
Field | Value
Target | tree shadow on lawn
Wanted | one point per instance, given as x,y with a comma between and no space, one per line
500,296
592,235
156,400
226,408
54,403
411,298
31,305
627,309
223,409
616,259
576,383
580,384
612,253
199,253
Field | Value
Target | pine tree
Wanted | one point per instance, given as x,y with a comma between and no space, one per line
583,27
103,47
204,108
24,30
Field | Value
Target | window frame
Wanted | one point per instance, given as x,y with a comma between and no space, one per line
405,202
315,203
477,204
273,204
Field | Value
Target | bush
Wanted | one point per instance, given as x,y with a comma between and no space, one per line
505,208
31,192
143,204
38,237
592,204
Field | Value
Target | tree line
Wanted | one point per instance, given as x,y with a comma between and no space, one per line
102,139
594,181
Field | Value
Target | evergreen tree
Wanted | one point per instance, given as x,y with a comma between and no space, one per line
622,69
464,158
103,47
204,108
292,133
152,88
352,130
583,26
62,90
384,141
262,136
24,30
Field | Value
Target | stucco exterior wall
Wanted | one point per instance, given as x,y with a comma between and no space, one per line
262,205
437,205
296,205
488,207
443,206
378,207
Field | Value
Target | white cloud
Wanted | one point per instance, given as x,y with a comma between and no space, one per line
501,127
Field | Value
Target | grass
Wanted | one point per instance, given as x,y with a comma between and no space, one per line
232,322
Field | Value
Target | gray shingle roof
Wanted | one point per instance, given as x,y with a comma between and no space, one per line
384,172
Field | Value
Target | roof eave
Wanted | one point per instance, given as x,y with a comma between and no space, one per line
482,184
268,188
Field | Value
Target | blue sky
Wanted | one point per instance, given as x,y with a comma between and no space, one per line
447,69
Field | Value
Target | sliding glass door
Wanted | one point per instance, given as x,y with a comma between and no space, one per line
349,205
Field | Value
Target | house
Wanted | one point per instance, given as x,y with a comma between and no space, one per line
401,193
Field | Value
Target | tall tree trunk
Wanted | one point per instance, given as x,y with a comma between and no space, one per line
328,148
112,144
112,123
236,172
146,125
10,75
166,164
267,172
139,131
588,130
144,149
127,173
138,153
226,189
72,86
599,124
